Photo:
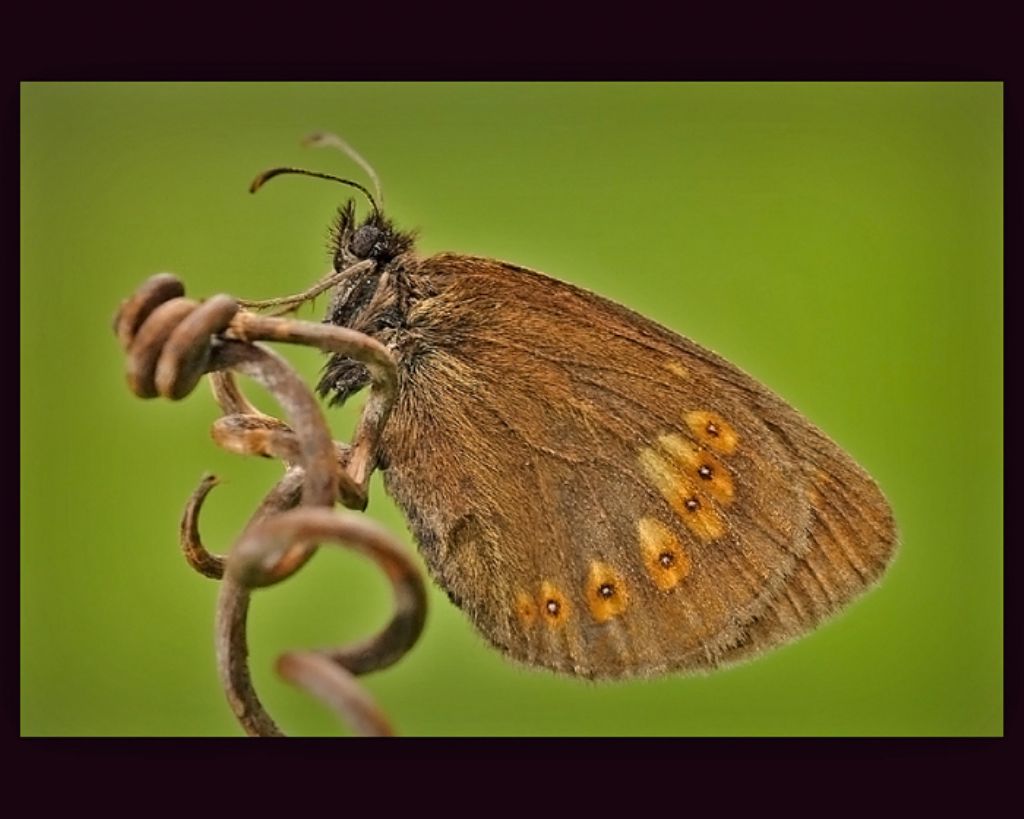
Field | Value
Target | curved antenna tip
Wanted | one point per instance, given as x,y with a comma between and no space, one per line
257,183
315,139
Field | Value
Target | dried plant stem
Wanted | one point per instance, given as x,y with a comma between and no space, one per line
171,342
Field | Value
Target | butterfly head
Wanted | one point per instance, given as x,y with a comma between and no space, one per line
376,238
367,298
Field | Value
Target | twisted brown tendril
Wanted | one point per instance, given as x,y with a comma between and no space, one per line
171,342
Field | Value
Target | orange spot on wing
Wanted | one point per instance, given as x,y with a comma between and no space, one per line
676,368
554,607
679,484
526,608
606,592
665,559
712,430
705,472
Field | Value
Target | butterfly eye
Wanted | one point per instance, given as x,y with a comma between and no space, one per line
364,241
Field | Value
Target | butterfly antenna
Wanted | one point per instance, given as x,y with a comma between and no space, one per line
323,139
264,177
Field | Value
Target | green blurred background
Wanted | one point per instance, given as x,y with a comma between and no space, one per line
840,242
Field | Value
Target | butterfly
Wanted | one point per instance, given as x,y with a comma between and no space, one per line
602,496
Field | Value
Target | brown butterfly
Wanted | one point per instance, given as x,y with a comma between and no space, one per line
602,496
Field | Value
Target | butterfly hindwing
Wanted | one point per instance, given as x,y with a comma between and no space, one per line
622,501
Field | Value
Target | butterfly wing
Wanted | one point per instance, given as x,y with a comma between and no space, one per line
606,498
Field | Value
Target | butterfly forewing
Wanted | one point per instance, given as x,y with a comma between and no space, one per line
622,501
